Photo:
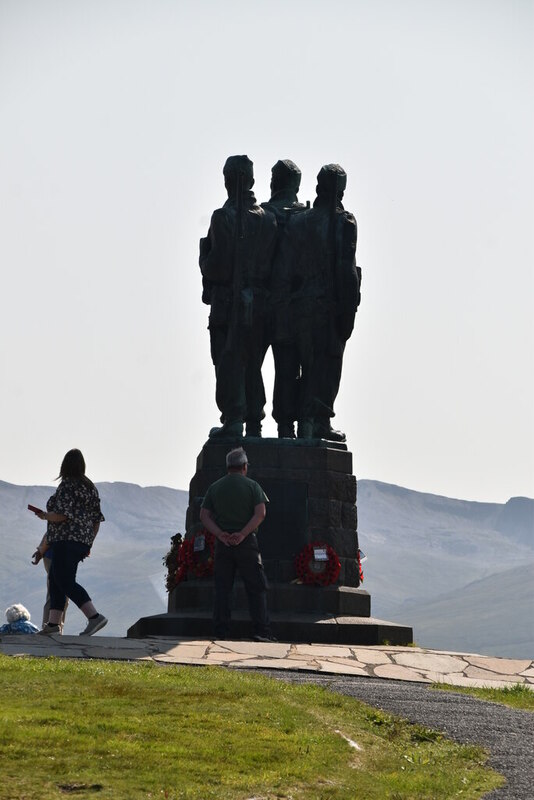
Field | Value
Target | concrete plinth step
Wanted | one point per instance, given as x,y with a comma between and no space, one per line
338,601
301,628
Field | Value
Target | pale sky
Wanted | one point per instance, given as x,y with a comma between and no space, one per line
116,117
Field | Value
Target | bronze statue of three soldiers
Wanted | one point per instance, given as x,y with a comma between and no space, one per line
283,275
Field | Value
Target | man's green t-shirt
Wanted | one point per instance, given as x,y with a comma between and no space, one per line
232,501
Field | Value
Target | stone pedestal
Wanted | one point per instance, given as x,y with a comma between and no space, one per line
312,494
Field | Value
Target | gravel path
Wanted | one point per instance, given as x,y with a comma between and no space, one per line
507,734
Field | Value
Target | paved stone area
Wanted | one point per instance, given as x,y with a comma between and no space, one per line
412,664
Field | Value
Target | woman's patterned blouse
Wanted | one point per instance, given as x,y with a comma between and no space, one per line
80,503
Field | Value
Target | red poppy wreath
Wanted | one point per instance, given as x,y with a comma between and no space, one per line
181,571
312,571
198,561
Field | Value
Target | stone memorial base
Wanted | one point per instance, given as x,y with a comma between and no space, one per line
312,494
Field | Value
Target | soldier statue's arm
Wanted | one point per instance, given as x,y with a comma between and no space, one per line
215,264
205,247
349,276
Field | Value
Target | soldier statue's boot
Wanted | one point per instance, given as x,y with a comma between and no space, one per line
305,429
323,430
228,431
253,429
286,430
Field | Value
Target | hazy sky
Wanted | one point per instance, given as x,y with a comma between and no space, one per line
116,117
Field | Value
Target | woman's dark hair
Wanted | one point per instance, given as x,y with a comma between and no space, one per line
73,466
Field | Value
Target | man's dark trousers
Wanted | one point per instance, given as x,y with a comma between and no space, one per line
246,558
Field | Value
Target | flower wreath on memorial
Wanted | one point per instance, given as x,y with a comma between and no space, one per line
197,554
360,570
317,563
175,568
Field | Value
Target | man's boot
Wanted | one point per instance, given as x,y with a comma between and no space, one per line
229,430
305,429
323,430
286,430
253,429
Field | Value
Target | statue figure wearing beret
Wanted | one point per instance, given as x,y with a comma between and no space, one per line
235,261
320,276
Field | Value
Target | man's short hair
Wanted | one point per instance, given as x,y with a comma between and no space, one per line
236,458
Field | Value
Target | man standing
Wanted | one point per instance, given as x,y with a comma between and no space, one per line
233,508
235,261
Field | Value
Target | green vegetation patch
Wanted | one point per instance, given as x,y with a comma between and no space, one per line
116,730
517,695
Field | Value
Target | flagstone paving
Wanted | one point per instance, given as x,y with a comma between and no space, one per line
414,664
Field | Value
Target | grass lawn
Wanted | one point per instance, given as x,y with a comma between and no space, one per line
517,695
114,730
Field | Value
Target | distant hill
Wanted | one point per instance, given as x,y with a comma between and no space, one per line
492,615
460,572
449,567
422,545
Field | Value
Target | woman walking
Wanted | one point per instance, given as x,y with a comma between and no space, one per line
73,515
